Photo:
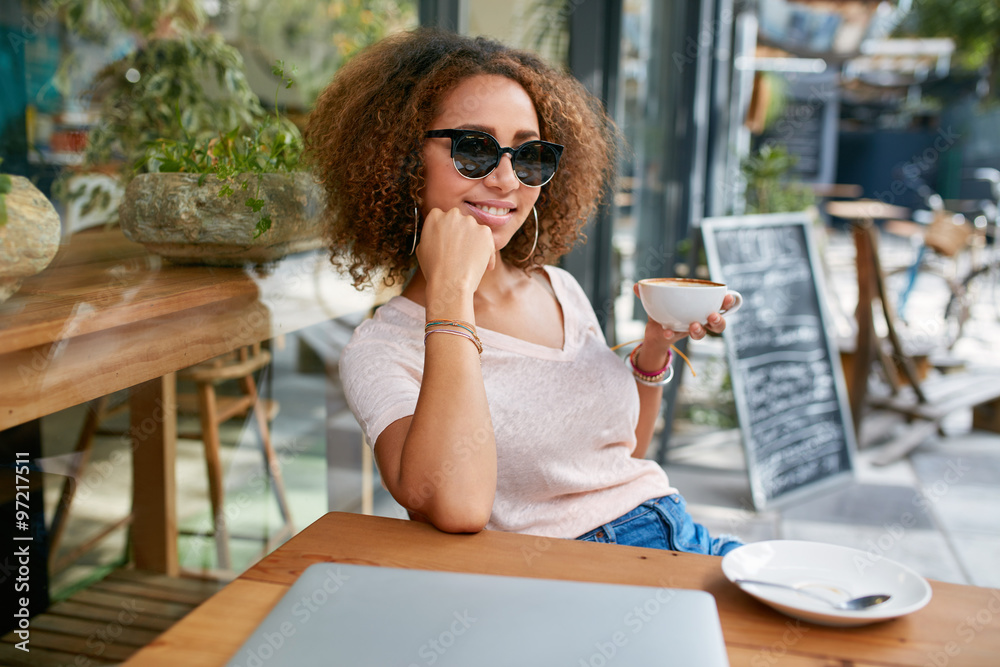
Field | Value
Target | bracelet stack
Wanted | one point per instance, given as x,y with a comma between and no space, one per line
656,379
455,328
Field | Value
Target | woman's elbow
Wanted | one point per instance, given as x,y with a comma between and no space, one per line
453,524
451,508
460,515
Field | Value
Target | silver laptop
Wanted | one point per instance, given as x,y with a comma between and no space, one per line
366,616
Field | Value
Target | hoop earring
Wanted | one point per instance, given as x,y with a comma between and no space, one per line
416,223
535,244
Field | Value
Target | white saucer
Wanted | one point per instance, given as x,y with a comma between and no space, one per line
838,572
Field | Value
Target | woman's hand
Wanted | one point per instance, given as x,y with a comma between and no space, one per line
657,340
653,357
454,250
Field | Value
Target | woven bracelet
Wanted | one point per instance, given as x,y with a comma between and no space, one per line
479,346
452,323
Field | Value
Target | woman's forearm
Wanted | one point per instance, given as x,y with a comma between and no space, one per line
652,358
650,399
446,468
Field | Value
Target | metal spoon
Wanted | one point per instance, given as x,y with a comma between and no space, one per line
854,604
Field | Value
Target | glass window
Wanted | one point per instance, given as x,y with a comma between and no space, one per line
110,352
534,25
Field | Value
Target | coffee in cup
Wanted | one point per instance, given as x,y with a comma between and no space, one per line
677,302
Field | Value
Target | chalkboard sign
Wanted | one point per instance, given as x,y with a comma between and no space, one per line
787,380
808,125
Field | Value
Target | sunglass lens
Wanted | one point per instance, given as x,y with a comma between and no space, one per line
535,163
475,157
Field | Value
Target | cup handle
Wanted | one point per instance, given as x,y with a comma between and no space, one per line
736,304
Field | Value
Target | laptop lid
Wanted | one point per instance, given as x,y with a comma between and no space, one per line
366,616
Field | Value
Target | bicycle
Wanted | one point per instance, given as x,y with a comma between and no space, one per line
956,266
980,289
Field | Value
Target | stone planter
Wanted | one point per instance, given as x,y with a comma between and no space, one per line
187,223
30,239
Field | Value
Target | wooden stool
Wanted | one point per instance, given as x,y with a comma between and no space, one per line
214,409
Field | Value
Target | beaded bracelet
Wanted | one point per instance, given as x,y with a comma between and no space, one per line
657,379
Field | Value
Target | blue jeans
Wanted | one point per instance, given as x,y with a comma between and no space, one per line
662,523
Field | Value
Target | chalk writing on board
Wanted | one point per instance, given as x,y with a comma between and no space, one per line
789,394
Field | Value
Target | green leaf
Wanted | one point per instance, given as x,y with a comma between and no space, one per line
255,205
263,225
225,191
3,212
5,184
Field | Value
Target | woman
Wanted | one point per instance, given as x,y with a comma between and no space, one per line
465,169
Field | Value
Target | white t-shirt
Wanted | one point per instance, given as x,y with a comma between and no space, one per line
564,420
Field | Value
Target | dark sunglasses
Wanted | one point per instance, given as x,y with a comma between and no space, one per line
476,154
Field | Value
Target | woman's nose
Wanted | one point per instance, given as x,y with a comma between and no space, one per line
503,176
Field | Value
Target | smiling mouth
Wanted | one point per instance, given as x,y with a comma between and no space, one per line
492,210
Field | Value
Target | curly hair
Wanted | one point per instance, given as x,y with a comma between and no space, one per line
364,142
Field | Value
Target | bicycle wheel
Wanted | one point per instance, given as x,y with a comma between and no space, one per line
920,307
977,300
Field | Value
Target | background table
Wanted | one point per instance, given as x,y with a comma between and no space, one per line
952,630
106,315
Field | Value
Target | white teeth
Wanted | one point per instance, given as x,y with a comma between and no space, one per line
493,210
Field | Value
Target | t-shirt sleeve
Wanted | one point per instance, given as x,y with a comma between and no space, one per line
381,370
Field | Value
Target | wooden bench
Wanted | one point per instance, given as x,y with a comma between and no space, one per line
925,402
944,395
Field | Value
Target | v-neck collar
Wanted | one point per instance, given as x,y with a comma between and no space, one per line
501,341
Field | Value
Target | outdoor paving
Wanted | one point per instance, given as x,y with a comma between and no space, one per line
936,510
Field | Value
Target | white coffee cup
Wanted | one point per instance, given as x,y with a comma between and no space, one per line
677,302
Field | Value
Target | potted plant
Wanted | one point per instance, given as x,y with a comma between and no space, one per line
768,187
213,200
29,232
205,168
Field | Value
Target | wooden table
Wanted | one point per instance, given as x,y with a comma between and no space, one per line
960,626
866,209
106,315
